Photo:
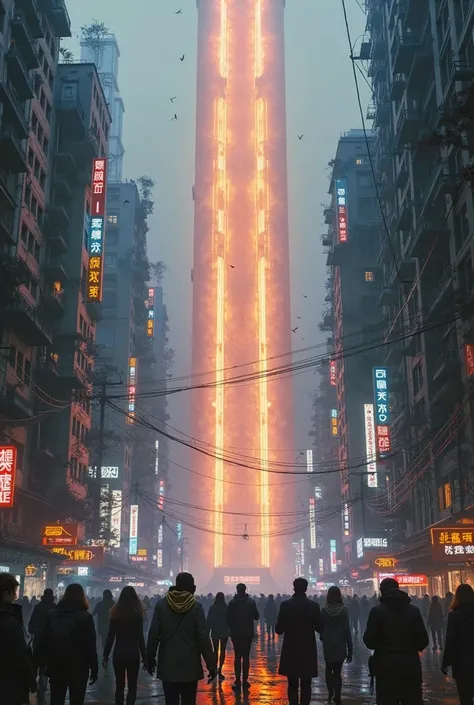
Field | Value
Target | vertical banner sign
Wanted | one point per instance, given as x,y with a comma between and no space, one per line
321,566
157,457
150,325
332,373
382,411
370,445
333,555
334,422
469,359
302,551
133,538
312,523
341,210
97,230
347,524
309,461
7,476
116,521
161,499
132,388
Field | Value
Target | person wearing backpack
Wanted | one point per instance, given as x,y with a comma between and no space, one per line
67,648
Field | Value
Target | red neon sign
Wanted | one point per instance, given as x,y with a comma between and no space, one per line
97,230
332,372
384,441
7,476
469,359
341,209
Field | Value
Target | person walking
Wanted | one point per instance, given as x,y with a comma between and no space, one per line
126,631
17,677
67,648
102,614
219,631
179,629
337,641
364,612
353,606
396,633
298,620
435,622
459,643
270,614
37,623
241,615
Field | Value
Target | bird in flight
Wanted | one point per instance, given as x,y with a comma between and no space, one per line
181,58
304,296
174,118
298,317
126,202
232,266
178,12
173,99
300,137
295,329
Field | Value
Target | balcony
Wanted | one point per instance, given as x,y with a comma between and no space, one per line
54,301
65,163
71,117
382,115
54,269
94,309
32,15
24,41
12,154
72,375
327,241
444,363
404,218
57,241
13,111
398,86
388,296
62,190
328,213
409,123
58,216
442,286
18,75
424,236
47,369
28,322
15,398
83,147
371,111
405,45
58,16
7,216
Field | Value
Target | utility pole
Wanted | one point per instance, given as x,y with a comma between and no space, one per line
362,476
100,453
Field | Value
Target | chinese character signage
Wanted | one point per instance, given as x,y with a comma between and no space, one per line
108,472
406,580
369,543
453,544
384,443
333,555
341,210
60,535
332,373
370,445
309,460
132,388
133,543
246,579
469,359
382,411
161,500
97,230
385,562
334,422
92,555
346,517
7,476
150,326
312,523
116,518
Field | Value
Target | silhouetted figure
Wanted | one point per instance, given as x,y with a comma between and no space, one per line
67,648
459,644
435,622
353,606
37,623
270,613
126,632
241,615
298,620
396,633
337,641
219,630
179,629
364,612
102,614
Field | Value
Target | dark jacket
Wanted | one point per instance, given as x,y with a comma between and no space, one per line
127,634
241,615
102,612
179,629
16,670
68,642
270,612
39,618
459,644
336,635
435,616
396,632
298,620
217,621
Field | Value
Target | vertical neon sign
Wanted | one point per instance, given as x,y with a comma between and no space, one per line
97,230
341,210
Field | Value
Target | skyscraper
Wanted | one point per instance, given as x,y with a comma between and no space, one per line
241,287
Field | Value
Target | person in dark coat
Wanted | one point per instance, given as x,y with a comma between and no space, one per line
179,629
102,614
67,648
241,615
435,622
219,630
396,633
353,606
17,677
459,643
270,613
364,612
298,620
37,623
337,641
126,630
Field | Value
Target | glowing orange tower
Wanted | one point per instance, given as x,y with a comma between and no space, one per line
241,316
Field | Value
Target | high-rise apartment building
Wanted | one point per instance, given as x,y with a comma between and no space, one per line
422,71
241,289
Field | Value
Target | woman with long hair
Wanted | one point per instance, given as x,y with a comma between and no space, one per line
217,626
459,643
67,648
126,630
337,641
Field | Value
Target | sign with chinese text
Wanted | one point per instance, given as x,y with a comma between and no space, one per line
60,535
341,210
334,422
133,543
309,460
97,230
383,439
312,523
138,559
385,562
370,444
469,359
333,555
108,472
116,518
332,373
369,543
159,558
346,518
406,580
161,499
381,392
92,555
7,476
150,326
132,388
246,579
453,544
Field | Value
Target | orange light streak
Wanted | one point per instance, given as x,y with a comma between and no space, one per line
259,48
223,46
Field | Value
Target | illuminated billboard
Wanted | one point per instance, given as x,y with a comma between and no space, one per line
108,472
341,210
469,359
133,536
161,499
132,388
333,422
370,444
332,373
382,411
312,523
60,535
116,519
333,555
309,461
453,544
150,324
8,456
97,230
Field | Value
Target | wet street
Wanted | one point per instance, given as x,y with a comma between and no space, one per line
268,687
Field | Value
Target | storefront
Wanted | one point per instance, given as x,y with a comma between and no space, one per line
34,568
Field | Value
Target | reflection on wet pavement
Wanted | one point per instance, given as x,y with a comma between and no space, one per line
268,687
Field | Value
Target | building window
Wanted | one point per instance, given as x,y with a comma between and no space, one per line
113,219
110,260
369,276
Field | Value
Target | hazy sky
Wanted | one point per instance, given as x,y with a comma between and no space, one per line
321,104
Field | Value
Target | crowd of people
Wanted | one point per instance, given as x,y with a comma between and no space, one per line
57,643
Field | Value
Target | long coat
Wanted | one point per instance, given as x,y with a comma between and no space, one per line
459,644
298,620
336,636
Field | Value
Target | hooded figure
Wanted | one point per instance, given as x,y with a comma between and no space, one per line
179,629
459,643
337,641
241,615
40,615
102,613
396,633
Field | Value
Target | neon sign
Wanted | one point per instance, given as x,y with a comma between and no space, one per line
370,445
8,456
97,231
332,373
334,422
150,325
133,537
312,523
341,210
132,388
